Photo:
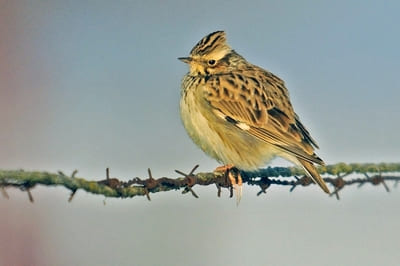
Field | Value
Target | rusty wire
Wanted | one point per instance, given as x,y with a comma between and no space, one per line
337,175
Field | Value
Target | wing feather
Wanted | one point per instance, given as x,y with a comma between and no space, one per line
264,107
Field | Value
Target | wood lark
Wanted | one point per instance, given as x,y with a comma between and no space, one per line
240,114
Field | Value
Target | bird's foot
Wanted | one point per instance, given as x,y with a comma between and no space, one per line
235,179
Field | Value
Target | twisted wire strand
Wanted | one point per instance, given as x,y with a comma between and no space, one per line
335,174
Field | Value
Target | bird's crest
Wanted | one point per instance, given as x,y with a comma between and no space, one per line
212,43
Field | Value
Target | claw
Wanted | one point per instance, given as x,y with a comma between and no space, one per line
235,179
237,184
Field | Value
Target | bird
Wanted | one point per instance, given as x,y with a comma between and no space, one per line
240,114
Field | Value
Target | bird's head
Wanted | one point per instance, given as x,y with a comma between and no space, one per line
210,55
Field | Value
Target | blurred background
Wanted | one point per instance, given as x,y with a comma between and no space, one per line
93,84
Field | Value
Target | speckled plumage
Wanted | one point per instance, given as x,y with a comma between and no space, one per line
239,113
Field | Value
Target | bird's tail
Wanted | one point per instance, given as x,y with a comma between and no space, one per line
312,172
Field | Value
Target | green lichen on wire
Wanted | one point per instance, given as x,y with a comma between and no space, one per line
333,169
113,187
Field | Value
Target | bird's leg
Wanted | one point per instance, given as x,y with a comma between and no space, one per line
234,178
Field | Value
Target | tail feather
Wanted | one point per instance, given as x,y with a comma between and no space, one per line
312,172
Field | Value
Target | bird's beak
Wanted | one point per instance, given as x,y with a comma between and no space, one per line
186,60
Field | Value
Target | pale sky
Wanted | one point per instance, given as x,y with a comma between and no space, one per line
93,84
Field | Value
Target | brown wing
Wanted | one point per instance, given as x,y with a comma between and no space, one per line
260,105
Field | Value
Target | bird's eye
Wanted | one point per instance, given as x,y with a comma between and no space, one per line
211,62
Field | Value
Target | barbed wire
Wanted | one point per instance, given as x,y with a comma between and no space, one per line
335,175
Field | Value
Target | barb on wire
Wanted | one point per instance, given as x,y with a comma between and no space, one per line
337,175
